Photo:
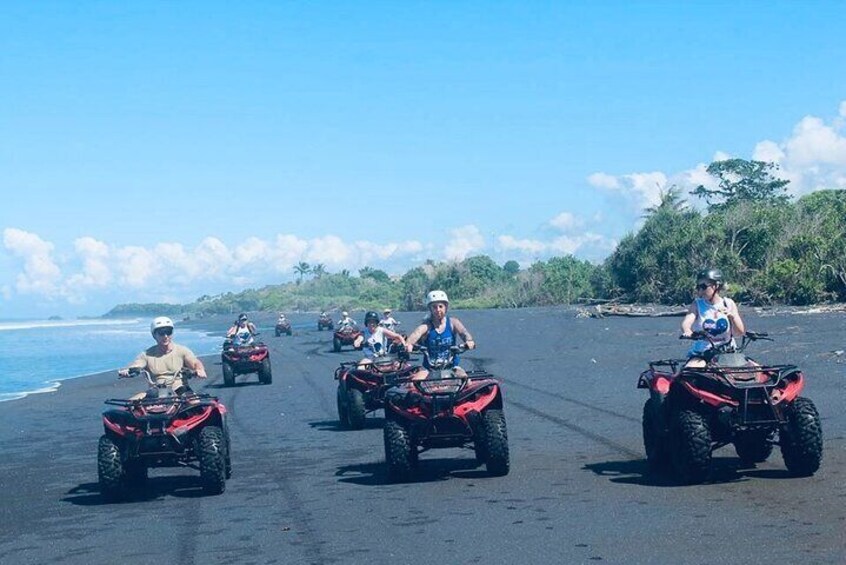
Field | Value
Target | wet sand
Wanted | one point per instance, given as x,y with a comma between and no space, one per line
305,491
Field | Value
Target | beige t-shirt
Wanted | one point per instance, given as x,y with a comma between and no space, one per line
164,365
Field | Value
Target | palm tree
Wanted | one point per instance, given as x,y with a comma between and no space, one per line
302,268
318,270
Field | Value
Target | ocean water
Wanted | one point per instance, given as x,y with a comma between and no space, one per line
35,356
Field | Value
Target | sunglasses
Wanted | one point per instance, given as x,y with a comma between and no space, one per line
164,331
703,286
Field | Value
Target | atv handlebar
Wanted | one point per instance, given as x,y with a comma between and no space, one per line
748,338
132,372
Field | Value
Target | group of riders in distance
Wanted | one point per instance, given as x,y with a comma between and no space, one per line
713,397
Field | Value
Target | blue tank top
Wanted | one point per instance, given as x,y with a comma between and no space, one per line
438,344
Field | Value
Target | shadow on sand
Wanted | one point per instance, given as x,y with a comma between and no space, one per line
723,470
373,423
427,471
238,384
180,486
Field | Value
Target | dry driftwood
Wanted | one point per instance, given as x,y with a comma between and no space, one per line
632,312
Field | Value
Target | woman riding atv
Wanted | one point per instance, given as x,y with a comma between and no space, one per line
711,313
440,333
374,339
242,331
165,360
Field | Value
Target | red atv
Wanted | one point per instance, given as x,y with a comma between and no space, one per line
283,327
444,411
691,411
165,429
345,335
325,321
362,390
242,359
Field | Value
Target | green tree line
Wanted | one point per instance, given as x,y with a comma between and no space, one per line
771,249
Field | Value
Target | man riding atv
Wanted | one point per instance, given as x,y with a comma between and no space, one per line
166,359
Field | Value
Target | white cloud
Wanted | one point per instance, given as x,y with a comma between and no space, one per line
642,190
95,270
41,274
604,180
565,221
589,243
137,267
465,241
813,157
168,268
526,246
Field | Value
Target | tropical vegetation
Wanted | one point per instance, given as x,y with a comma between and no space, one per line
771,248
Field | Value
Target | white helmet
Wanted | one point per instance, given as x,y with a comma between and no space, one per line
160,322
344,314
386,311
436,296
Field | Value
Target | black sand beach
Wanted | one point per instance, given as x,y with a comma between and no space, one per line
305,491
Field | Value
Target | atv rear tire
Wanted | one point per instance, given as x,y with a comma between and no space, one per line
290,332
228,374
691,445
341,400
496,443
278,333
110,471
356,411
398,451
212,456
754,446
336,344
802,438
654,438
264,373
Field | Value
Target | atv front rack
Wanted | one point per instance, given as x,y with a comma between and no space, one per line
159,401
742,377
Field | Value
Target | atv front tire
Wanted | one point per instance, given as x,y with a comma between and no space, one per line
496,443
398,451
356,410
228,374
802,439
343,415
212,456
654,438
110,472
336,344
691,445
264,373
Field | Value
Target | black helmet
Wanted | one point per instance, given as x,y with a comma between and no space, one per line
371,317
713,275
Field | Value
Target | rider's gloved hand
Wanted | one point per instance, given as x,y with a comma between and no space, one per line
123,373
470,344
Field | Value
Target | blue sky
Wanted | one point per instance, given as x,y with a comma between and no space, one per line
160,151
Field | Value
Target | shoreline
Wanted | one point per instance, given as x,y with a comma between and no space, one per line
216,326
53,385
